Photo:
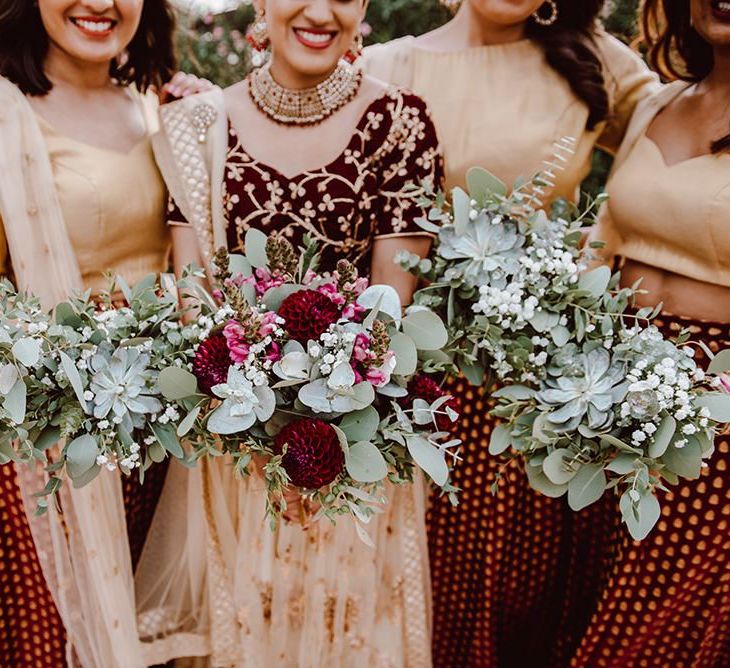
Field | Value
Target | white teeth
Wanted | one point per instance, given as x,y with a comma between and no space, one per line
94,26
316,38
724,6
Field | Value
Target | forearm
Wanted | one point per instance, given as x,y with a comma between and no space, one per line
385,271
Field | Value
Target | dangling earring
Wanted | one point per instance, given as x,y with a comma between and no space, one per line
543,21
453,5
258,32
355,51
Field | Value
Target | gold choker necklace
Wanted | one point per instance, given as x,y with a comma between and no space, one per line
308,106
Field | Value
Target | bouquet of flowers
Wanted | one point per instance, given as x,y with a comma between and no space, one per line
594,396
80,384
314,378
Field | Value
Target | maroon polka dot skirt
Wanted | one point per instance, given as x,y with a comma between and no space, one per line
521,581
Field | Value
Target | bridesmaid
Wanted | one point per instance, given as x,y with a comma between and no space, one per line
667,602
306,145
75,125
515,576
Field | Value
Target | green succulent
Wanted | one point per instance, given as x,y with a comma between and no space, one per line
589,388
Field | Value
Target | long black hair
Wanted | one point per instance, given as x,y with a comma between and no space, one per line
675,49
569,50
149,60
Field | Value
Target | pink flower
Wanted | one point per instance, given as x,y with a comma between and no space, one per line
274,353
354,312
361,348
377,377
263,281
269,324
330,290
237,346
724,379
358,287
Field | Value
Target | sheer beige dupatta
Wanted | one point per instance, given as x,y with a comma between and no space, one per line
84,551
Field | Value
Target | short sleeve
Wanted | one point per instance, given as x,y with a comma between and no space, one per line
411,164
628,80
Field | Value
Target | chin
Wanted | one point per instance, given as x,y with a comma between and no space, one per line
318,66
504,12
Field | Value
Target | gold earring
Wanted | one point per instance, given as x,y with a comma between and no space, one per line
549,20
258,32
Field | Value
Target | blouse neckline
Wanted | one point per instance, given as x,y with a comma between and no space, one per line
680,163
359,127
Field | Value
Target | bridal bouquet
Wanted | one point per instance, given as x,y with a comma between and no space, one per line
78,388
314,378
594,397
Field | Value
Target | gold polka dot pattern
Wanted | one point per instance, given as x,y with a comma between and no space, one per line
31,632
516,575
667,601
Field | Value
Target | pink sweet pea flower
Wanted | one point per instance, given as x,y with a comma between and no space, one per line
237,346
274,354
377,377
360,349
724,379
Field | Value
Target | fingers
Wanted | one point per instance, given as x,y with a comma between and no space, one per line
182,85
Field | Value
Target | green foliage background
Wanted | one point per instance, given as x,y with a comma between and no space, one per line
214,46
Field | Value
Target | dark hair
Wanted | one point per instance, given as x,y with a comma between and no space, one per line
569,50
149,60
675,49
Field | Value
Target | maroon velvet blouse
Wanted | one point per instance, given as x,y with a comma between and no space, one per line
372,190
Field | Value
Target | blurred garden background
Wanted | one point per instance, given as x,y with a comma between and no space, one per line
212,42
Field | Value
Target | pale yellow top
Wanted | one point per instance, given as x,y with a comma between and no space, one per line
674,217
113,205
502,107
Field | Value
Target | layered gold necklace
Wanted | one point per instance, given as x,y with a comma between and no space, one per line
308,106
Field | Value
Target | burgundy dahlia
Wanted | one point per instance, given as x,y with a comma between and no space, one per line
308,314
211,362
314,457
422,387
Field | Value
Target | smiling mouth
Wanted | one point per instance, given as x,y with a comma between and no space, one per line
721,9
315,39
94,26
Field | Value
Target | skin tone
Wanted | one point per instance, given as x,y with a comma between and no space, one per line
684,130
85,36
298,63
480,23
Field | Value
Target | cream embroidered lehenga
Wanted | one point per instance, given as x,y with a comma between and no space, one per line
214,581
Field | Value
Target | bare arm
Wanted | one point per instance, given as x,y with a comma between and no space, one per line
385,271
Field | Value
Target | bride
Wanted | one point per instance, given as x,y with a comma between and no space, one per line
306,145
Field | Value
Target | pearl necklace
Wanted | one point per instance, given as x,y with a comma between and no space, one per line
308,106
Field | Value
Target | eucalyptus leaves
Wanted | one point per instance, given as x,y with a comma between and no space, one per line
594,397
308,372
78,388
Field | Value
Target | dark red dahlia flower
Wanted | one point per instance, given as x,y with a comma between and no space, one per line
211,362
314,456
308,314
423,387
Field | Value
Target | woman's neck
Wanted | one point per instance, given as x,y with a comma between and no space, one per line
718,80
469,29
62,68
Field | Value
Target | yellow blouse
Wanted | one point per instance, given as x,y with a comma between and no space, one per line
674,217
503,107
113,204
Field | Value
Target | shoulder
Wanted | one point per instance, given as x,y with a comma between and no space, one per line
9,93
618,59
398,104
389,61
206,108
